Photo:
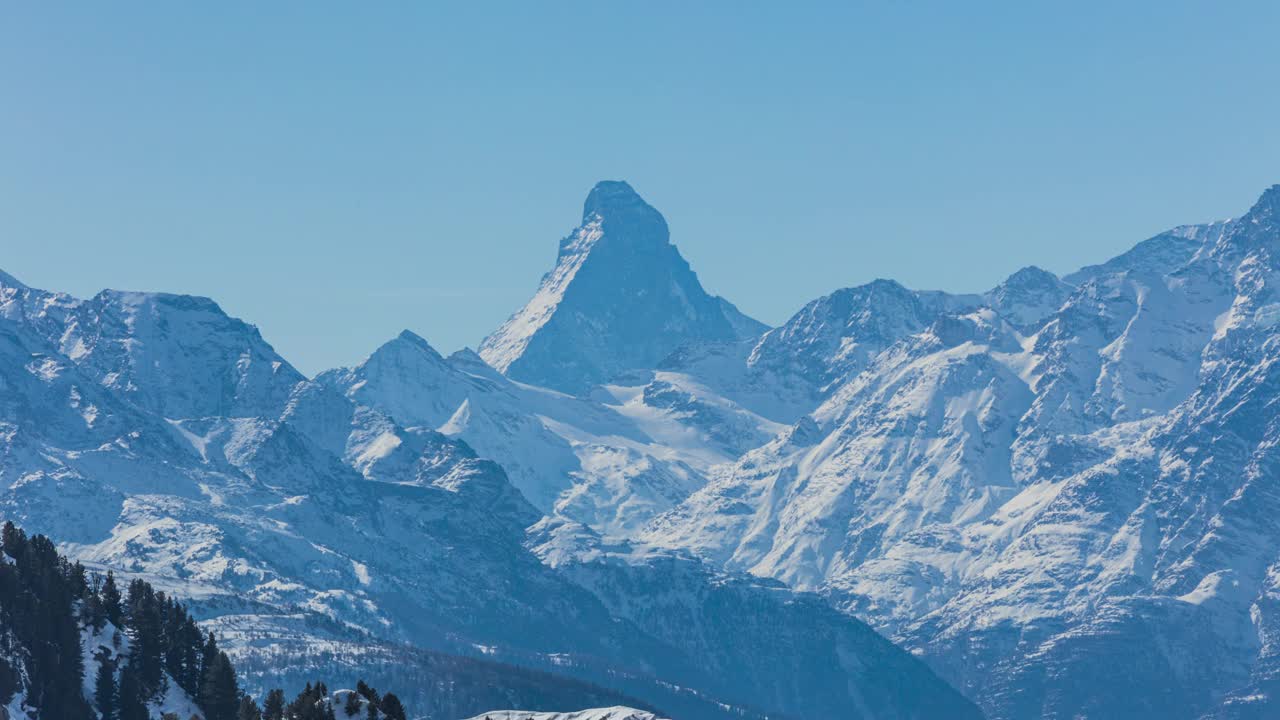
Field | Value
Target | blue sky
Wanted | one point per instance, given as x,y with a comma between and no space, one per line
335,172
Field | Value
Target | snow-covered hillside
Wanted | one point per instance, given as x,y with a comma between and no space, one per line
1060,493
1041,486
155,435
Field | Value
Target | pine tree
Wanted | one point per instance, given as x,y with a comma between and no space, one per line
12,540
91,610
352,705
392,708
111,600
131,704
248,709
273,705
363,688
220,696
104,688
146,652
79,580
42,618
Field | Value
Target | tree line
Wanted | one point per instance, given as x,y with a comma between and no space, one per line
141,642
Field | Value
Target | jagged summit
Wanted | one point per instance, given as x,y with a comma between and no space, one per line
620,297
1263,218
9,281
1028,296
616,200
409,339
1269,202
1029,275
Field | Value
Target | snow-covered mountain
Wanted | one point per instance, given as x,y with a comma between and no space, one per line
619,298
611,461
1062,493
155,435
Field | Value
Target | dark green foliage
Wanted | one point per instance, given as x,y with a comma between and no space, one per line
131,702
367,692
183,648
91,610
273,706
104,688
219,694
143,619
248,709
111,600
392,708
8,682
310,704
352,705
46,600
38,592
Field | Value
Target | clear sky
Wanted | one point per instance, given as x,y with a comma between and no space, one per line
336,172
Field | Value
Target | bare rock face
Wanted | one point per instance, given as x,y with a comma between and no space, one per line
619,298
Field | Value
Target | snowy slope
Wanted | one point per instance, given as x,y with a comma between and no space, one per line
296,514
1012,484
611,461
1062,475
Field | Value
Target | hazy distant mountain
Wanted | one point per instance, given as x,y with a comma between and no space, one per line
619,298
1060,493
1063,494
316,524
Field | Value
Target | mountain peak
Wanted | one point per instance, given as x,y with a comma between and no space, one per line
1028,296
406,342
415,339
9,281
624,215
620,298
1030,275
611,196
1267,209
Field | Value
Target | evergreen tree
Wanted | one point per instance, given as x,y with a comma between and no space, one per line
12,540
41,631
39,591
183,645
79,580
363,688
111,600
352,705
248,709
146,652
131,704
104,688
220,696
392,708
273,705
91,611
